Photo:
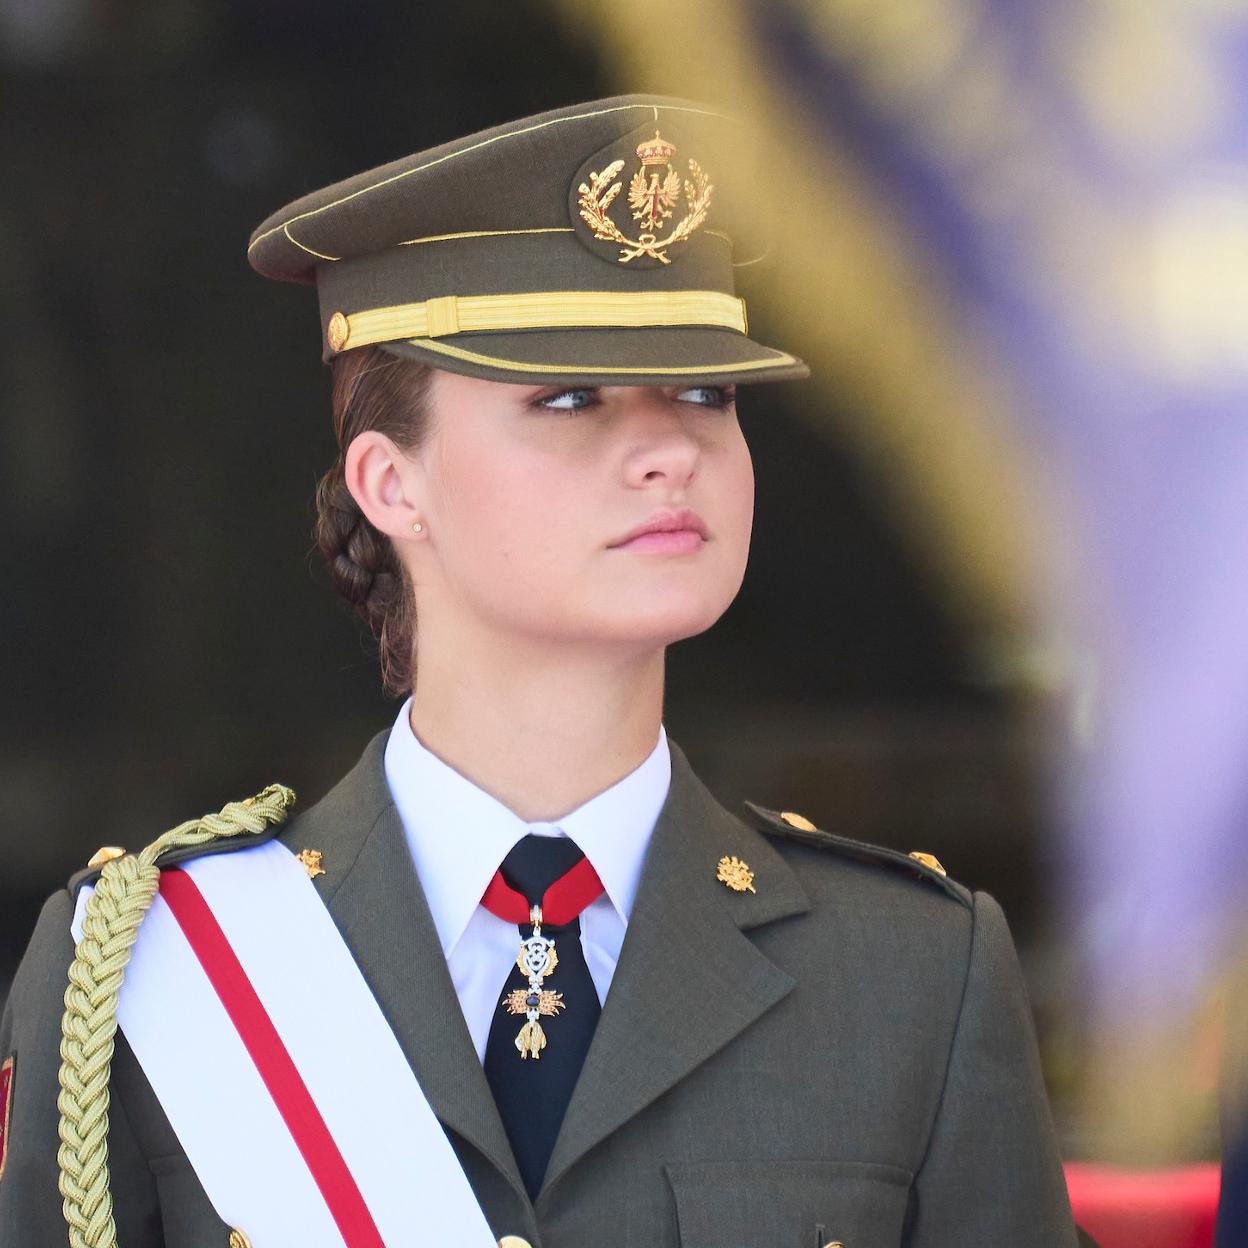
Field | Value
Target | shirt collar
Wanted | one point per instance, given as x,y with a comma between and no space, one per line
458,833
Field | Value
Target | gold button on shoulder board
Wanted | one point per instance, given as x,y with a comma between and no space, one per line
514,1241
337,331
930,861
795,820
238,1239
106,853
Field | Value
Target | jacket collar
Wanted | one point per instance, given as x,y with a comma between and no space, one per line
458,833
688,981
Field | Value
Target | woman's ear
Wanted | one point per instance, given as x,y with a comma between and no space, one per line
387,486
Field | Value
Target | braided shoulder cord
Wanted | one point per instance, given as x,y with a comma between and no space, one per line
122,897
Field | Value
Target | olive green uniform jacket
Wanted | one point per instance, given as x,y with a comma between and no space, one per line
849,1048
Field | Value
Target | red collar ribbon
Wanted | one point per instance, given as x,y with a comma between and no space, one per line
562,902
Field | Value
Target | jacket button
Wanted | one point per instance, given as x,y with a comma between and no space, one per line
930,861
800,822
238,1239
514,1241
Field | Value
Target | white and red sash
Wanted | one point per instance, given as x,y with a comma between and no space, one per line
281,1077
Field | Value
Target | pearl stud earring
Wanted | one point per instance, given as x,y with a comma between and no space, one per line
418,527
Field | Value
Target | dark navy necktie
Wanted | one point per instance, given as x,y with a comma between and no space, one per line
532,1094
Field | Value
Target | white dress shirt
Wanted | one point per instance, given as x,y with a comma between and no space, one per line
458,835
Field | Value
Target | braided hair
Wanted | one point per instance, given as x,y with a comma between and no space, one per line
373,390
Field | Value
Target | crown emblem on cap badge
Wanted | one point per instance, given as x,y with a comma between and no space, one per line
653,196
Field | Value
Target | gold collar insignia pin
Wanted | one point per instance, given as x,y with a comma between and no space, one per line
311,859
652,196
736,874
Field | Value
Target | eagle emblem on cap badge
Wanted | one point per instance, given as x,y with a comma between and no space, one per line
653,195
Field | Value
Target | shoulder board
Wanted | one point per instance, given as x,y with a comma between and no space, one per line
225,835
918,866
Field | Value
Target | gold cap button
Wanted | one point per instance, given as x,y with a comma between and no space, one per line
930,861
514,1241
337,331
238,1239
106,853
797,821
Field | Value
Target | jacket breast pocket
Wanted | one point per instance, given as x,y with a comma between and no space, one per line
782,1204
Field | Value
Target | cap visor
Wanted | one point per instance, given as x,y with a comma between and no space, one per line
623,357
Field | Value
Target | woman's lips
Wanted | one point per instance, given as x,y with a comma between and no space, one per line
667,520
671,542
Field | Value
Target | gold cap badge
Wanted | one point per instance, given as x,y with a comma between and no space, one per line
311,859
653,194
736,874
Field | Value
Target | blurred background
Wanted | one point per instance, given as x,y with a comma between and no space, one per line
996,604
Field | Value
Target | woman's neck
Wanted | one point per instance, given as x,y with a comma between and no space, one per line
541,733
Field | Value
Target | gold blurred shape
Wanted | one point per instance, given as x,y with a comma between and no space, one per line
106,853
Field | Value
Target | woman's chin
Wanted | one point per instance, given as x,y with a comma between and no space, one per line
664,624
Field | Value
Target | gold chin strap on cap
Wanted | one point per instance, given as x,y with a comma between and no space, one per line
122,897
544,309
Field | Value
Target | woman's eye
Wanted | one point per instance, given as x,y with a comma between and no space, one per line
708,396
567,400
576,398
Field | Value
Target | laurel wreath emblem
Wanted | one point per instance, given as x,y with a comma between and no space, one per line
596,196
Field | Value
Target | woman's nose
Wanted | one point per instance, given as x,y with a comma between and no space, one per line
662,443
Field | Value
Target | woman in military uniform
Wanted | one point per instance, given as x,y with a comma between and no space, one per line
560,996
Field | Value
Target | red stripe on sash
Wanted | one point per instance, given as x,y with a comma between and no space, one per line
276,1068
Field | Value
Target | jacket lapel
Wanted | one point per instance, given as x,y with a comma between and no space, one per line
372,891
688,979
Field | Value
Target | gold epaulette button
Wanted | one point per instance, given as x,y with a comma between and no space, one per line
514,1241
797,821
238,1239
930,861
106,853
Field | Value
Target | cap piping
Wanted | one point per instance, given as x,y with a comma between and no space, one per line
443,238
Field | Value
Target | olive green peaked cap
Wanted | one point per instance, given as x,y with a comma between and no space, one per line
593,244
